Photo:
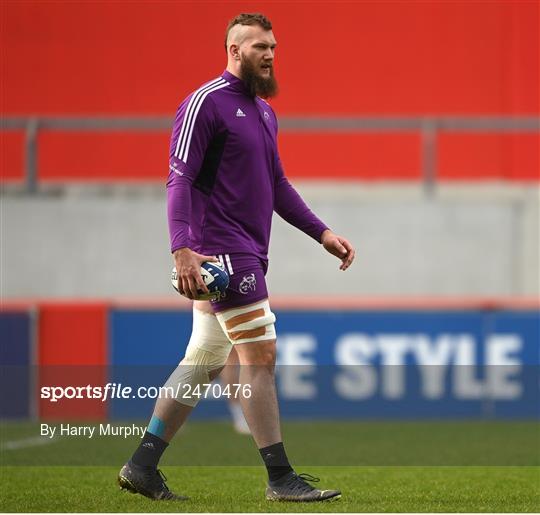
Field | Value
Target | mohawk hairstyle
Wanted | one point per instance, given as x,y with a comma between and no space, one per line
248,19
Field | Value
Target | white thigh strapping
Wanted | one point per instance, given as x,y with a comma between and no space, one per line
253,323
207,350
206,334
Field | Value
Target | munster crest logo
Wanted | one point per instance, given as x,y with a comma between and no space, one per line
249,283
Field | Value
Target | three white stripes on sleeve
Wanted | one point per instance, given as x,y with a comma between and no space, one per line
194,105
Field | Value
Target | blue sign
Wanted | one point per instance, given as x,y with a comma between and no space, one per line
363,364
15,364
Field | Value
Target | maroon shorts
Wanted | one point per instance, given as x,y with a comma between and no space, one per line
247,284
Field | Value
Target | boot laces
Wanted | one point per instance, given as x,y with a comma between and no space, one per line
308,477
158,478
298,483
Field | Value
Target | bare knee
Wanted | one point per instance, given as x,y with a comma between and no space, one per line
214,373
261,354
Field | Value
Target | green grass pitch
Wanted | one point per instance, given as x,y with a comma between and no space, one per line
379,466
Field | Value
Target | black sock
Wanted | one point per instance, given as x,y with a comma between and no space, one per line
149,451
276,461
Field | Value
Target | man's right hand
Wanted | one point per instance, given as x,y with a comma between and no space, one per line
188,268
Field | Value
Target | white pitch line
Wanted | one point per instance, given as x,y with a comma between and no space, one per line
26,442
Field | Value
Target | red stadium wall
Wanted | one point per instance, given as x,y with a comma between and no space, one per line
72,352
363,58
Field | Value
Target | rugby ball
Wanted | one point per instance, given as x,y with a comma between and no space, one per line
215,278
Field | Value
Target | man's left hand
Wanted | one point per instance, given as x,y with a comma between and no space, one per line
339,247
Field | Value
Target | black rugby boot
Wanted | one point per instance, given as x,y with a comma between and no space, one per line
294,487
146,481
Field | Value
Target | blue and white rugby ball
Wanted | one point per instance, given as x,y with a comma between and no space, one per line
215,278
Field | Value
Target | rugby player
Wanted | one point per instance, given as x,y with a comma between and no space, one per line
225,181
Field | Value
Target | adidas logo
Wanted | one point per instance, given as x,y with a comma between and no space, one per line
240,113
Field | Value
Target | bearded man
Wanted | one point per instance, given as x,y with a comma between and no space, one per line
225,182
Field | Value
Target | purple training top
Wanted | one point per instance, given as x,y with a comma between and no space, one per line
225,175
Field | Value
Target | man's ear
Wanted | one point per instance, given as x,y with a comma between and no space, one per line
234,50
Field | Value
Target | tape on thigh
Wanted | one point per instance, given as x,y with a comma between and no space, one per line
253,323
208,350
206,334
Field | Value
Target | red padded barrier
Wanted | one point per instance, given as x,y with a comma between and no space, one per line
102,156
11,155
72,352
134,156
489,156
351,155
137,156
